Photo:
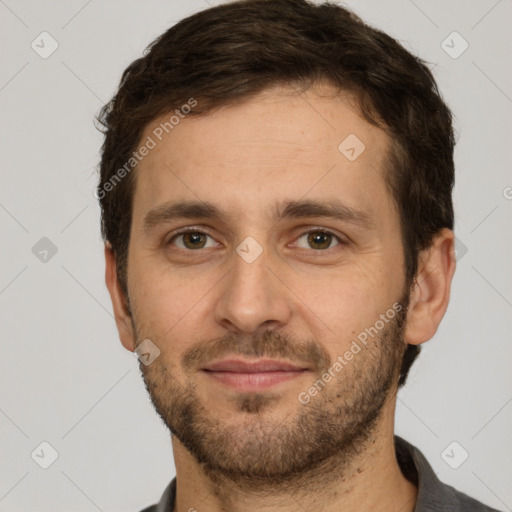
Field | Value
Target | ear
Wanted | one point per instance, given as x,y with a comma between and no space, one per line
431,293
122,313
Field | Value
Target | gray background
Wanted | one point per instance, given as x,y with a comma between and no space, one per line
65,378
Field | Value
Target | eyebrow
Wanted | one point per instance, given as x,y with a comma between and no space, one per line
284,210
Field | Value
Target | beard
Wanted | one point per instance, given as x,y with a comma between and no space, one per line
252,445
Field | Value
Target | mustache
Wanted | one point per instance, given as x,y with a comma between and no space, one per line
269,344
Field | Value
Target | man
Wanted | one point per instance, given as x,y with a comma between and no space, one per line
276,184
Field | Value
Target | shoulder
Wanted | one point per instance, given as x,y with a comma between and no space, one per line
167,501
469,504
433,494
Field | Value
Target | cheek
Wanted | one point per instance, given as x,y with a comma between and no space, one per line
167,302
348,295
341,307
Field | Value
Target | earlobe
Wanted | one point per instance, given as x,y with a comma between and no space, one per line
431,292
122,313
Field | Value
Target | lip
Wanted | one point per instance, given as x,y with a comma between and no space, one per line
244,375
259,366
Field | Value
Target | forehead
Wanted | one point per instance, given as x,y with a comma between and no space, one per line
253,154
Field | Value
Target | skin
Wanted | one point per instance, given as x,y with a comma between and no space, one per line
267,451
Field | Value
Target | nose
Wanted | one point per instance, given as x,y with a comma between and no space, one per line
252,298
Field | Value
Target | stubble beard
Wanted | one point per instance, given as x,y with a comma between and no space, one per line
263,451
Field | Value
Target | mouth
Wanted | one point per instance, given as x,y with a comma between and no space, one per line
245,375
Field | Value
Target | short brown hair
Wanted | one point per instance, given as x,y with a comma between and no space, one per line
231,52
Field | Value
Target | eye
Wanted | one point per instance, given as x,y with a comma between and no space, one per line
194,239
319,239
191,239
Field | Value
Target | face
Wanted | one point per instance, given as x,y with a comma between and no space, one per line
285,245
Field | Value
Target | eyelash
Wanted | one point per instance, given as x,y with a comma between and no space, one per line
316,230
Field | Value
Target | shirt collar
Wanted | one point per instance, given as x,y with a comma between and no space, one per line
433,495
166,503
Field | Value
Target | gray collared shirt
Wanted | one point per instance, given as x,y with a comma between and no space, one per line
433,495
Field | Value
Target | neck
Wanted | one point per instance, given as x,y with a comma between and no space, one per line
370,480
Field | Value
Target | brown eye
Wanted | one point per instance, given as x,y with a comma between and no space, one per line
319,240
190,240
